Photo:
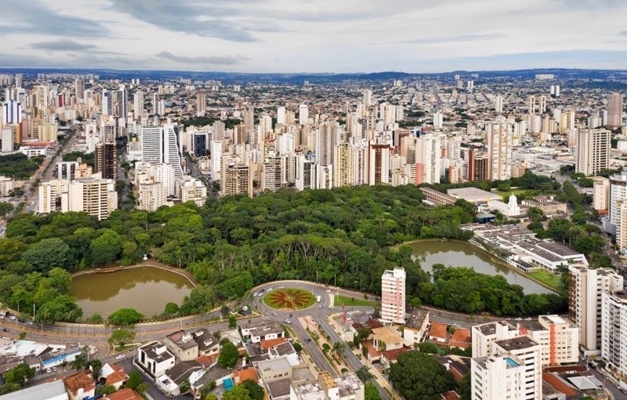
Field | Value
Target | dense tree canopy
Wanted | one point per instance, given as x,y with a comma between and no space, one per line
419,376
228,355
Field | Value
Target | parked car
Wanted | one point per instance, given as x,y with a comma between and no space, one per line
119,356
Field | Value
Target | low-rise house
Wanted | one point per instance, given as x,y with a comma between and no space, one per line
389,357
345,387
286,350
113,375
262,329
460,338
124,394
280,389
438,333
80,385
182,345
416,326
387,338
274,370
245,374
155,358
171,381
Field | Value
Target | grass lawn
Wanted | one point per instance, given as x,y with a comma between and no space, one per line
350,302
547,278
289,299
528,193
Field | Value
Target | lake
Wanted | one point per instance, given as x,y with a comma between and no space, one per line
145,289
462,254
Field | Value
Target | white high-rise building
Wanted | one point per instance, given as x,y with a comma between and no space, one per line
498,104
280,116
138,104
216,157
438,120
326,139
303,114
601,193
499,135
367,100
11,113
593,151
305,173
160,146
285,144
7,139
393,296
618,193
429,156
586,288
485,334
614,330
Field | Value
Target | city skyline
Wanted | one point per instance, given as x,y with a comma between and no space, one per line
275,36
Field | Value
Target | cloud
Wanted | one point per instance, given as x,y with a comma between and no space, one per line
34,17
590,4
459,38
623,33
229,60
63,45
199,18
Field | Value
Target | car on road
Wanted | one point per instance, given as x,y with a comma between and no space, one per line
274,313
12,317
308,340
287,321
119,356
5,330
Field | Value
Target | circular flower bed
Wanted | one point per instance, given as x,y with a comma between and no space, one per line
290,299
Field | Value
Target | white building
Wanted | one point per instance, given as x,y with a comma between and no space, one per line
393,296
614,330
499,143
155,358
593,151
497,378
601,193
586,288
558,337
160,146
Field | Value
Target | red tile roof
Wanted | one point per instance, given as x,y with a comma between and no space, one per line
392,355
245,374
118,376
82,379
124,394
559,385
438,330
460,338
452,395
268,344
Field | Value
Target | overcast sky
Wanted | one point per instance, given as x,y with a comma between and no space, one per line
314,35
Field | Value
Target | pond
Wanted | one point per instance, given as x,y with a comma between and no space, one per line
462,254
146,289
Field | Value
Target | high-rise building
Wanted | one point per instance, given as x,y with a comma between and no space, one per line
201,103
138,104
271,174
601,193
8,139
393,296
249,117
326,139
11,113
498,104
429,156
378,164
615,111
281,116
79,89
160,146
618,194
438,120
499,135
513,371
236,178
123,103
305,173
151,196
593,151
557,336
303,114
585,301
106,161
97,197
614,330
343,165
531,104
367,100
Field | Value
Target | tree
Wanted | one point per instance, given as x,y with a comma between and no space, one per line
134,380
364,374
125,317
371,392
106,248
465,387
211,396
121,337
239,392
5,209
339,347
232,321
228,355
171,309
298,347
79,363
428,347
95,365
416,375
185,386
255,391
48,254
19,375
105,390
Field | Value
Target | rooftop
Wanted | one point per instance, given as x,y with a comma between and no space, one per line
183,340
387,334
438,329
276,364
417,318
80,380
124,394
279,388
517,343
473,195
43,391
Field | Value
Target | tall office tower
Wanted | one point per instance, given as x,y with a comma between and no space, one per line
303,114
18,80
542,105
513,372
11,113
280,116
615,111
343,165
219,129
155,104
106,103
249,117
367,100
199,143
160,146
8,139
326,139
97,197
161,107
79,89
201,103
106,161
138,104
123,104
531,104
378,164
438,120
498,104
393,296
429,156
585,292
305,173
236,179
614,330
271,174
285,144
593,151
601,193
499,136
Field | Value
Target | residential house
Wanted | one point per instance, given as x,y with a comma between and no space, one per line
54,390
280,389
438,333
245,374
460,338
416,326
274,370
285,350
155,358
262,329
124,394
182,345
80,385
113,375
171,381
387,338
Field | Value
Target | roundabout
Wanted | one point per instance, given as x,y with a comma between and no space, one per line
289,299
